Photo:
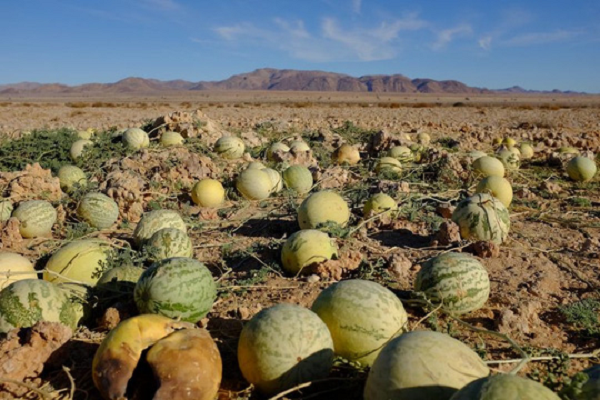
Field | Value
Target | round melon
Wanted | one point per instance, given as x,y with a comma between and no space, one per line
78,147
230,147
388,164
6,209
456,280
498,187
28,301
590,390
526,151
256,165
87,134
509,159
482,217
581,169
98,210
121,273
362,317
170,139
284,346
488,166
505,387
423,365
136,139
36,218
208,193
298,178
14,267
323,208
80,262
346,154
299,146
154,221
178,288
401,153
304,248
71,177
509,142
379,203
423,138
254,184
276,179
276,147
168,243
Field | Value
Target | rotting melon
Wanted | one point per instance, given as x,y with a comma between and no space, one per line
230,147
25,302
323,208
498,187
298,178
581,169
482,217
346,154
208,193
276,147
488,166
170,139
423,138
304,248
284,346
36,218
388,164
136,139
98,210
505,387
6,209
299,146
153,221
362,317
71,177
78,147
254,184
457,281
379,203
180,288
14,267
80,261
169,242
423,365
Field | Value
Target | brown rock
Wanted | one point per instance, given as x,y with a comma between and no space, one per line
449,233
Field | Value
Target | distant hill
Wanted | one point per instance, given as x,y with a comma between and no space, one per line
269,79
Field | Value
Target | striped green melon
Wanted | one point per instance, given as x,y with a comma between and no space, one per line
362,317
298,178
379,203
482,217
153,221
71,177
304,248
324,207
276,179
505,387
423,365
498,187
254,184
276,147
135,139
28,301
78,147
456,280
178,288
208,193
401,153
98,210
581,169
388,164
170,138
6,209
284,346
36,218
121,273
590,390
14,267
509,158
230,147
488,166
80,262
168,243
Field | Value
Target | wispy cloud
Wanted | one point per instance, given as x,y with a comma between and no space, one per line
444,37
356,6
538,38
485,42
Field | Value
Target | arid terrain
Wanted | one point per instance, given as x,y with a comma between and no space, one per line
544,278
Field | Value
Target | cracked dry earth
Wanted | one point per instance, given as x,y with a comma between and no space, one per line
550,261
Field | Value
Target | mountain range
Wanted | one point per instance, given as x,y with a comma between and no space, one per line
269,79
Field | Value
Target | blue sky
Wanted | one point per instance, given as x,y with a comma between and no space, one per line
534,44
